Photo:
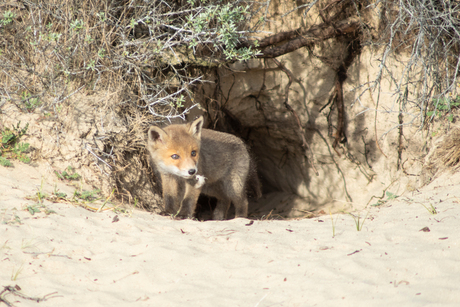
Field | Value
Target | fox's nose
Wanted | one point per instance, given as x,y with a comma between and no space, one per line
192,171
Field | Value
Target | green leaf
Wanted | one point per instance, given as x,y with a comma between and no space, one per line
391,195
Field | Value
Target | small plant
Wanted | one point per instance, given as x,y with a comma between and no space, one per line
5,162
40,194
179,102
118,210
16,272
68,174
89,39
219,25
443,106
16,219
431,209
19,150
13,220
8,17
101,16
133,23
333,223
91,65
58,195
359,222
33,209
39,198
77,25
10,137
10,148
389,195
54,37
87,195
105,202
30,102
101,53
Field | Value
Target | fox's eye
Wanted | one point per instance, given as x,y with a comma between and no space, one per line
175,157
193,153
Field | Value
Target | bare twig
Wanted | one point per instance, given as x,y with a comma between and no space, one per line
16,292
429,30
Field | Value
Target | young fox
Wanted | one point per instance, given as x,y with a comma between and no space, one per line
192,160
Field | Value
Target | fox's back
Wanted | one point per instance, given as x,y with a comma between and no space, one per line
222,155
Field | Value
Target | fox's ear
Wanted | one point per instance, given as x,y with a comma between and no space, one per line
195,127
156,134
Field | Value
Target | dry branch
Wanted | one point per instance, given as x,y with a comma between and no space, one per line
299,38
16,292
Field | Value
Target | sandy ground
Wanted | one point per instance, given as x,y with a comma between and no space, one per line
76,257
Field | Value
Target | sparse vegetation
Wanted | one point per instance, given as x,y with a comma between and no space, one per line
444,106
11,148
58,195
333,223
16,271
359,221
87,195
389,196
149,37
38,208
8,17
90,200
13,219
431,209
68,174
33,209
5,162
29,102
446,154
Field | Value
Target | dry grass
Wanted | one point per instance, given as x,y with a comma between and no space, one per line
140,57
446,155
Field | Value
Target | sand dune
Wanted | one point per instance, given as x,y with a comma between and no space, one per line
83,258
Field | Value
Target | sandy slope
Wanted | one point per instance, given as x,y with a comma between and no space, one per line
147,260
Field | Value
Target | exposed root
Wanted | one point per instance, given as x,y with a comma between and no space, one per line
296,117
444,156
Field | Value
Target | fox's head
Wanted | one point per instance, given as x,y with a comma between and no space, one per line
176,148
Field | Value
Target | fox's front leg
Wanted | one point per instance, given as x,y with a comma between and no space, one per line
173,193
188,205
